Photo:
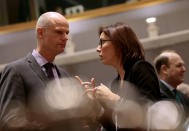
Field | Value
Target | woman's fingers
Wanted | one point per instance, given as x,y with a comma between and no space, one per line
78,78
89,90
84,84
90,93
93,82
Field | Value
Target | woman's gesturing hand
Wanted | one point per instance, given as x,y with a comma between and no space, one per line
89,87
105,95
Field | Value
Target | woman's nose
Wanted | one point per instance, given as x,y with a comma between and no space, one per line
98,49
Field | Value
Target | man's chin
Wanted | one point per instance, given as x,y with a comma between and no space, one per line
58,53
61,51
181,81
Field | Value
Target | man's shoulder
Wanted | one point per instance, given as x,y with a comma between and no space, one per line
16,63
12,69
163,89
161,84
19,62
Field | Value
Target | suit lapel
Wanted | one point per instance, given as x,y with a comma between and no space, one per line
165,90
36,67
58,72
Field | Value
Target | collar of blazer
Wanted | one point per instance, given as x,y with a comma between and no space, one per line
36,67
166,91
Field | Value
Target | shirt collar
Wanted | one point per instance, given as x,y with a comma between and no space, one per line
39,58
169,86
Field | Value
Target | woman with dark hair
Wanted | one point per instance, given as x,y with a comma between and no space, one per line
119,47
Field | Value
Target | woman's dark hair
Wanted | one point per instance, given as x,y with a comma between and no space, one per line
125,42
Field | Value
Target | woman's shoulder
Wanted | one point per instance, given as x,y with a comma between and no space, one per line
142,64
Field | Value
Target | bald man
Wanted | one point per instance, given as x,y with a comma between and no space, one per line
23,80
170,68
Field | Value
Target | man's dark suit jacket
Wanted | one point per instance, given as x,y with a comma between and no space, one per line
143,76
20,83
167,94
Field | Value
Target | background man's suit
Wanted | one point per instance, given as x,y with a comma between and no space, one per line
183,101
167,94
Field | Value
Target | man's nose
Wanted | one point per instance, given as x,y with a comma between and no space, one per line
184,69
65,36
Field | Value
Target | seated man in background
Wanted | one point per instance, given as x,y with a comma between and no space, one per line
170,68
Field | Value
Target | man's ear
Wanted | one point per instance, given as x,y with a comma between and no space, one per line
164,69
39,32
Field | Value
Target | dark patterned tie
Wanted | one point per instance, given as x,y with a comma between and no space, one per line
178,99
48,67
177,96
